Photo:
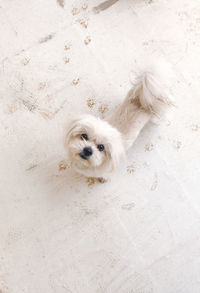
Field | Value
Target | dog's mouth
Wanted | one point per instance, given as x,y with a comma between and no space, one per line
83,156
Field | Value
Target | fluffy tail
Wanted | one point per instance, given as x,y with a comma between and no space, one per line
151,87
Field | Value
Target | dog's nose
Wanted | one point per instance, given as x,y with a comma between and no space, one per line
87,151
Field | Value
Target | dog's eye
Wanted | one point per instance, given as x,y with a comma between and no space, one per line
84,136
100,147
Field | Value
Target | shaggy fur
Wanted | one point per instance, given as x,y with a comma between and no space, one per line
147,98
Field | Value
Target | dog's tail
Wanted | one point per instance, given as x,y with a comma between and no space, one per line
151,87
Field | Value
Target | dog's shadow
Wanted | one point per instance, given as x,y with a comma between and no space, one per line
57,177
60,180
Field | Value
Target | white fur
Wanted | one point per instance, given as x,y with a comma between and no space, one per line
146,98
99,132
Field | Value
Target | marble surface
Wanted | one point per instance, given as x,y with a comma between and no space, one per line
60,232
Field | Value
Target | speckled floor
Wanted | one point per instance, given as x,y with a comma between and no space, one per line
61,233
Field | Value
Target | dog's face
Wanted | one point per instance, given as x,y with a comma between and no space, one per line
94,146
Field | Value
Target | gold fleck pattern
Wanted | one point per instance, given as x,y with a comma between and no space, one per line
42,86
90,102
46,115
83,22
61,3
75,11
66,60
130,169
90,181
84,6
195,127
67,47
87,40
75,81
25,61
103,108
63,165
102,180
177,144
12,109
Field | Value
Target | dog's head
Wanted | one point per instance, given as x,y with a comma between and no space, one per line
93,145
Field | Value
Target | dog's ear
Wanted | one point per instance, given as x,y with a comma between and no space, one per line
71,130
116,151
75,126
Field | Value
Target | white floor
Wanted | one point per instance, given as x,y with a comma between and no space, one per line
138,233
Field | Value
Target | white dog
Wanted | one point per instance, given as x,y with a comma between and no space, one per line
95,146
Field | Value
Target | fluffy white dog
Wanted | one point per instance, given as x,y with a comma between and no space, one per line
95,146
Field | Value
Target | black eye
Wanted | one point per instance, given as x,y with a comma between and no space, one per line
100,147
84,136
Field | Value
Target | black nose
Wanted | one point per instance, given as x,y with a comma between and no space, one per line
86,153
